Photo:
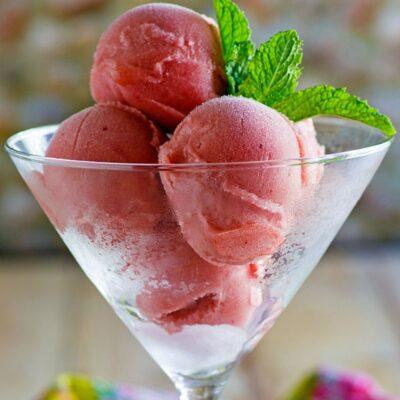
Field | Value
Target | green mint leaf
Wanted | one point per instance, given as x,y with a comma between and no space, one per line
236,42
327,100
270,75
236,68
274,71
233,25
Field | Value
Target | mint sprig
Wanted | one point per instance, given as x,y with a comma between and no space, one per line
237,46
237,72
270,75
327,100
274,72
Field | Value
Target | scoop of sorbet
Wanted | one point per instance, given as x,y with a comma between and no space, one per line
183,289
309,148
92,198
234,214
160,58
131,209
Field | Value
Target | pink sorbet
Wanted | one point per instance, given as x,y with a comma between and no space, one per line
128,210
309,148
183,289
234,215
88,198
160,58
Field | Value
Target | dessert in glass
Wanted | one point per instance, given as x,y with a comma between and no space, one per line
196,200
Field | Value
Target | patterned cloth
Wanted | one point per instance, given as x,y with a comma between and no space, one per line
324,384
333,384
73,387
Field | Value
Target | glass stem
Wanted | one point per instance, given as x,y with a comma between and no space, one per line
201,393
206,387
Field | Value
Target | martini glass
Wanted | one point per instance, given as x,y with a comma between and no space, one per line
196,319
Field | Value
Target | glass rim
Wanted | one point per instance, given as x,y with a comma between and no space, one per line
325,159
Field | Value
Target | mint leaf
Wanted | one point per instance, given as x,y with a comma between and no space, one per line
236,68
233,25
274,71
236,42
270,75
327,100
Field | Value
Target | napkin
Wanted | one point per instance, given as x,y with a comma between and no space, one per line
325,383
80,387
329,383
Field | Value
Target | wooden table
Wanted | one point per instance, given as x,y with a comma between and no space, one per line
53,320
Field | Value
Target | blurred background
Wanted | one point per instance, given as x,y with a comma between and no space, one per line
46,49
